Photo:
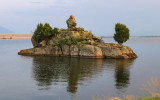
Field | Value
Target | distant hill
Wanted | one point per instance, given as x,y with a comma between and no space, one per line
4,30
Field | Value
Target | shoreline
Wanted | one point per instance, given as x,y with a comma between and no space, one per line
15,36
29,36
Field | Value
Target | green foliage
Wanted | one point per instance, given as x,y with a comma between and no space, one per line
79,41
63,41
59,41
43,32
68,41
37,33
122,33
89,36
55,31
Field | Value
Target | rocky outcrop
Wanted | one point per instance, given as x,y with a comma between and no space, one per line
71,23
93,46
34,43
101,51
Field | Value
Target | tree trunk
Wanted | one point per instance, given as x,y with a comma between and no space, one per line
61,49
69,50
78,50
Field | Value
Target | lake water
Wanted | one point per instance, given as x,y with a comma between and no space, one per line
61,78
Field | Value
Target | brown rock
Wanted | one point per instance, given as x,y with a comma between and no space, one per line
74,50
43,43
71,22
105,51
91,51
97,39
35,44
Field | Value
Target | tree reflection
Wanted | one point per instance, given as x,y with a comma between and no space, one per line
50,70
122,73
42,73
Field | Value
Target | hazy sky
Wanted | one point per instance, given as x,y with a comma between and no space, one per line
141,16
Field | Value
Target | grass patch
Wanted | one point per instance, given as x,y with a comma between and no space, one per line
150,98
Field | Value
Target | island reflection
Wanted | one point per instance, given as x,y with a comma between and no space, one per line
49,71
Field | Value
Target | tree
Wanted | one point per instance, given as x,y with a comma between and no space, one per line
37,33
122,33
79,41
44,32
60,42
47,31
69,42
55,31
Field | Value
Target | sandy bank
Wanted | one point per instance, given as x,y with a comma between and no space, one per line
15,36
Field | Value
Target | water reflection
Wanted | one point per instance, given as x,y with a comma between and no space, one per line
74,71
122,73
51,70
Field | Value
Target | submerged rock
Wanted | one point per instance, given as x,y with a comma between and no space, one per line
93,47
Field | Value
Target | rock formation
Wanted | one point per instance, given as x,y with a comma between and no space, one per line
93,46
71,23
102,51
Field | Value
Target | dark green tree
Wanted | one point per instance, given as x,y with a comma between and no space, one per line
55,31
44,32
38,32
122,33
47,31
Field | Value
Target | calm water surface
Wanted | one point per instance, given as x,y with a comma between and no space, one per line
58,78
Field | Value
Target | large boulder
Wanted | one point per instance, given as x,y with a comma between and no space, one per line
91,51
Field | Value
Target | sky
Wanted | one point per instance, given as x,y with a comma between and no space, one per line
142,17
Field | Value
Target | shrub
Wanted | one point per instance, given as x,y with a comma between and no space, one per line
79,41
153,87
44,32
60,42
69,42
122,33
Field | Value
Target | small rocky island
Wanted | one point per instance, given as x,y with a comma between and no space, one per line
75,42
